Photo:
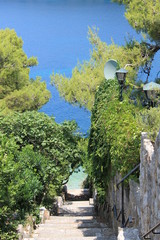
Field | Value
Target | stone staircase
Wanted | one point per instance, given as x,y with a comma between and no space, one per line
76,221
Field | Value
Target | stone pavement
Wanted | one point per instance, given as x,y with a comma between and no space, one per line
76,221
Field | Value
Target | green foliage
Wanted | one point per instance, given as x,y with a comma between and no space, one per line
83,146
54,141
22,180
144,16
11,234
82,86
27,186
31,97
115,135
17,91
14,71
36,156
8,150
149,119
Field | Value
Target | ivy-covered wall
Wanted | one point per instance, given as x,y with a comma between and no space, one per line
114,141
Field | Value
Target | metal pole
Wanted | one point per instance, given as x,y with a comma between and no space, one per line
121,90
123,217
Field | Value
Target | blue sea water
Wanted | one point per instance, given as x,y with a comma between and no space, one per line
77,178
55,31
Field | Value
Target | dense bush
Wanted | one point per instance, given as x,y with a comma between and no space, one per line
36,156
8,151
22,182
114,141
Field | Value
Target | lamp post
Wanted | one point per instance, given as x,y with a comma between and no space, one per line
121,76
151,89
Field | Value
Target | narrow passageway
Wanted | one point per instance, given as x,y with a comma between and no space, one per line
76,221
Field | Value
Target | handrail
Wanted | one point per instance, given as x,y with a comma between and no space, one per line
151,231
117,216
132,171
122,182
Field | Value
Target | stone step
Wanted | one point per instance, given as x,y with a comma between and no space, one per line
69,213
74,238
84,232
70,222
67,225
71,219
79,203
78,194
77,209
76,221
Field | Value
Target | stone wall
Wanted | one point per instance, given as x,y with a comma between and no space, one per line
128,234
25,232
150,184
142,200
113,204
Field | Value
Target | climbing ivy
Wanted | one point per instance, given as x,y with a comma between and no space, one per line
149,119
114,141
